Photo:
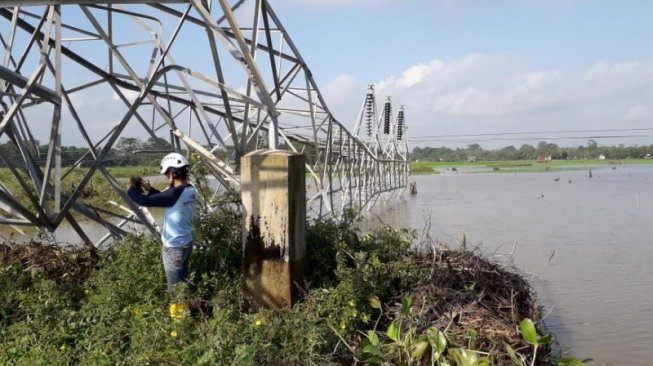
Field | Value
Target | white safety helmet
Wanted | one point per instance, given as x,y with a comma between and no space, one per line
173,160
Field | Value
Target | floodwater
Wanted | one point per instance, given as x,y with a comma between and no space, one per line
597,288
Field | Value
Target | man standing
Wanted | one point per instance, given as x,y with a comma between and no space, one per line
179,201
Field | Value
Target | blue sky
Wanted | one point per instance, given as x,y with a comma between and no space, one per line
483,66
564,34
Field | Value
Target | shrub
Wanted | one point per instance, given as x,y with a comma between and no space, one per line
114,310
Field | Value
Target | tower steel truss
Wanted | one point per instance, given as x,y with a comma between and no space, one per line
385,138
212,76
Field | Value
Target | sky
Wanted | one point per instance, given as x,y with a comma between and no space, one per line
488,72
486,67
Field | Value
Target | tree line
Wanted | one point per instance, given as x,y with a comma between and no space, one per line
128,151
131,151
543,150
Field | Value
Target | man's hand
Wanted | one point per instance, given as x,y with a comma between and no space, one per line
145,184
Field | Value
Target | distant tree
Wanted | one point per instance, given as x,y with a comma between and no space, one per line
592,144
592,148
127,145
157,143
527,152
507,153
124,151
9,149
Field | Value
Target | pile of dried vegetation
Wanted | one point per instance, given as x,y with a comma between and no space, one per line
475,301
63,265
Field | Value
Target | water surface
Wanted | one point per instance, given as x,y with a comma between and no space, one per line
598,287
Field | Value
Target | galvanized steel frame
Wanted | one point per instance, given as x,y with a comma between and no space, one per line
275,104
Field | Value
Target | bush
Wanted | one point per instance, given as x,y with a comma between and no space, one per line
61,307
114,310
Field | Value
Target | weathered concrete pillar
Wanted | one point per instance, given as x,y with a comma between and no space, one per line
274,228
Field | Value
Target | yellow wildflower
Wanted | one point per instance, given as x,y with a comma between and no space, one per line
63,348
343,326
258,322
179,311
351,303
138,312
173,334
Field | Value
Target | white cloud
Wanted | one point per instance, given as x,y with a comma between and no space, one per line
447,6
637,112
344,96
496,93
131,95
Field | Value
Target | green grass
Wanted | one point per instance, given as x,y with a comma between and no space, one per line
521,166
97,191
131,171
421,169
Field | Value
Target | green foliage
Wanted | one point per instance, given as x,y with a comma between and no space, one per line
530,152
408,341
530,335
117,312
217,235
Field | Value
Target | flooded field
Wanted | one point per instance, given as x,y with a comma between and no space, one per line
598,287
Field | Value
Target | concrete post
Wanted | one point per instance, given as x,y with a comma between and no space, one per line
274,228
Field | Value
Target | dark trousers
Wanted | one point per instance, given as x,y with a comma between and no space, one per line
175,263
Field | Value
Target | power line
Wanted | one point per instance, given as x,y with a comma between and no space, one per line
539,138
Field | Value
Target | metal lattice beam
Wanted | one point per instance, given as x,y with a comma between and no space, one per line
213,75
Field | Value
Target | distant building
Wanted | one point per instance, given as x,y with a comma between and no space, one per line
648,156
471,159
601,157
544,157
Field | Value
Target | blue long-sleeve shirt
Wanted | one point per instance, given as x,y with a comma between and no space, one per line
179,203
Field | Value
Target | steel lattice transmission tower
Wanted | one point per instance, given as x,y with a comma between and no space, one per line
385,138
209,76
